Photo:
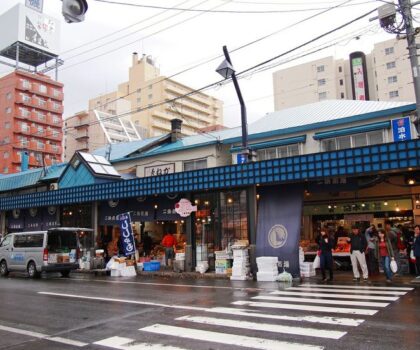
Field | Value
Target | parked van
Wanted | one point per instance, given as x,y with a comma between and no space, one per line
55,250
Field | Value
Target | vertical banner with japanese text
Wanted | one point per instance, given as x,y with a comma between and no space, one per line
126,234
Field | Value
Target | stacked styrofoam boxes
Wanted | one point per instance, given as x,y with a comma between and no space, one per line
241,265
267,268
222,262
307,269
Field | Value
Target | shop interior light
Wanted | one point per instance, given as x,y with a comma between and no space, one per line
230,200
363,205
258,196
397,208
385,203
411,181
70,213
182,221
206,202
156,206
196,201
329,206
417,199
335,207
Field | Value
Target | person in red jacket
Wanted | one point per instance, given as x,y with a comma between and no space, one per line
169,242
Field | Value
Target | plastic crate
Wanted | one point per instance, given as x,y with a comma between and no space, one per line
151,266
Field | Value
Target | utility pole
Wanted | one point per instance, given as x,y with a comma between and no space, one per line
405,8
388,21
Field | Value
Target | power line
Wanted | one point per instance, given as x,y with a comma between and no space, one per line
238,74
216,11
120,30
236,49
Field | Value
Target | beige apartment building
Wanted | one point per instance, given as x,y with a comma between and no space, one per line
142,98
388,78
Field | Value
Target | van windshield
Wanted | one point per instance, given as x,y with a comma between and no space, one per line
61,241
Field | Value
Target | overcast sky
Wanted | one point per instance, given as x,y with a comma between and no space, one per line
193,37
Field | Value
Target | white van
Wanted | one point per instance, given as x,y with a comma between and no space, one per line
55,250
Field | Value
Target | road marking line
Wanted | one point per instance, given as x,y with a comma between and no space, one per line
43,336
344,286
352,322
128,344
124,301
228,339
265,327
354,291
322,301
163,284
335,296
337,310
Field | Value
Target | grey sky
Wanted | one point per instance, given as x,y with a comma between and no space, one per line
200,37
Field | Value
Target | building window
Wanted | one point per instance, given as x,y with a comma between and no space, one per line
7,125
392,79
342,95
320,69
138,100
42,89
42,102
6,170
389,51
150,87
195,164
25,98
8,110
150,96
6,139
351,141
390,65
279,152
9,96
26,84
341,82
393,94
6,155
321,82
322,95
340,69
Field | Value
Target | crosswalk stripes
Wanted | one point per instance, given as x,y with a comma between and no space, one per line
316,303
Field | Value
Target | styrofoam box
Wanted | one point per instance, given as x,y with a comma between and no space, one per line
238,278
129,271
266,277
240,253
267,259
220,270
272,271
308,274
180,256
115,273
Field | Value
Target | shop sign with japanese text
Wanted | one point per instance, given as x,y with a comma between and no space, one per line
157,170
184,207
401,130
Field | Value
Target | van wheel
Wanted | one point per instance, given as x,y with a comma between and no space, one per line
65,273
32,272
3,269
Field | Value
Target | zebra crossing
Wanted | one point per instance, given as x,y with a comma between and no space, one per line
308,312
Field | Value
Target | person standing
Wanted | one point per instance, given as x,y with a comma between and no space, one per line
169,243
385,253
393,234
416,249
371,235
358,246
326,244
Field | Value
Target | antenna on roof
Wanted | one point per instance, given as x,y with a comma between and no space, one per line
108,151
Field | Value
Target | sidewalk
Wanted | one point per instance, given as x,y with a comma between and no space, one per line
343,277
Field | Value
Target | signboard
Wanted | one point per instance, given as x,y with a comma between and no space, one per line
161,169
359,81
359,76
279,224
241,158
401,129
126,234
184,207
36,5
30,27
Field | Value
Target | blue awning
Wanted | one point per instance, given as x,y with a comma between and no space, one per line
353,130
274,143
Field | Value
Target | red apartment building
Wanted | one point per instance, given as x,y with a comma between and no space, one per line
31,109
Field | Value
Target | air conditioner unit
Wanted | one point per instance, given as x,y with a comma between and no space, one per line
53,186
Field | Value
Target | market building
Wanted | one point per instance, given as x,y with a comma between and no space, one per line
331,163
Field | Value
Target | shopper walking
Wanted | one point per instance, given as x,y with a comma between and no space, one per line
385,253
393,235
416,249
169,243
371,235
358,247
326,244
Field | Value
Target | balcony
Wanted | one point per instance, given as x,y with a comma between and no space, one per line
54,120
55,94
22,113
38,117
56,107
23,85
24,99
20,129
53,134
52,149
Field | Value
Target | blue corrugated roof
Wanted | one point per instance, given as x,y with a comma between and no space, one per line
54,171
20,180
304,118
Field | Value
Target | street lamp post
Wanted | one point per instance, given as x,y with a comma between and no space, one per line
227,71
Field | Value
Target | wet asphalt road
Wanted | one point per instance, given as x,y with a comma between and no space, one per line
140,313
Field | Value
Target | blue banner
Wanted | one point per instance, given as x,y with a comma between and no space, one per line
401,129
279,224
126,234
